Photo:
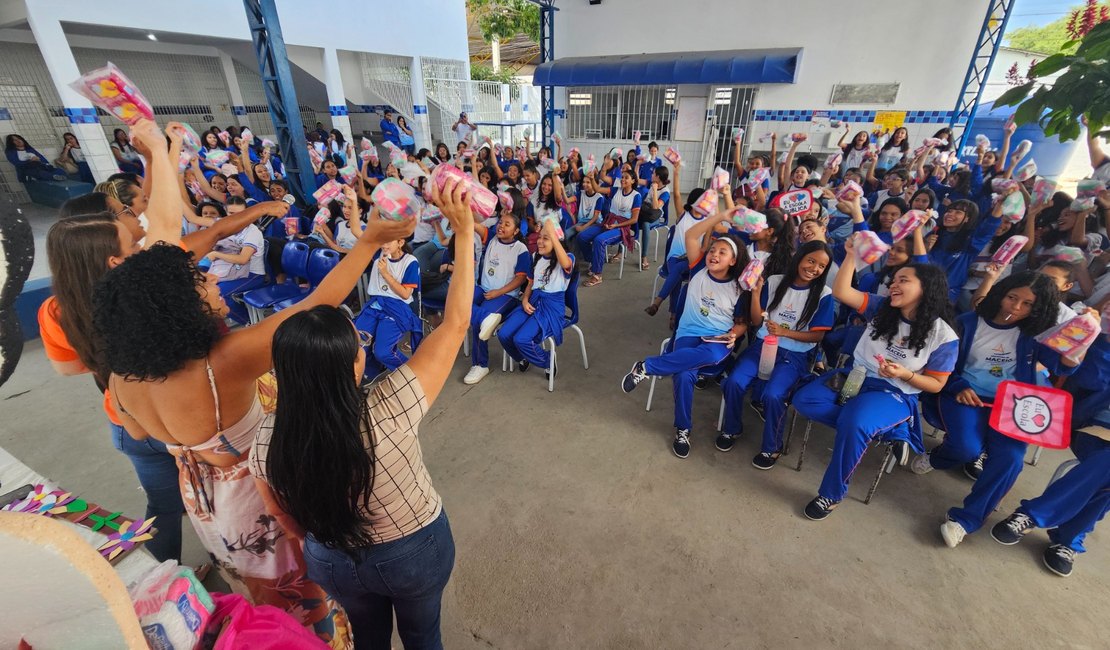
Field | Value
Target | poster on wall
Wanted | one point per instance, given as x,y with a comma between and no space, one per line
691,119
819,124
887,121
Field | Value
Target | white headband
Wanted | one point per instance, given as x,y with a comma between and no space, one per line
731,244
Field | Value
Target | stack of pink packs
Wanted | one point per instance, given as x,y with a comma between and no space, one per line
833,160
1009,250
573,150
934,142
756,177
246,136
869,248
636,137
267,144
291,226
1003,185
1070,254
430,213
904,225
798,137
506,200
229,170
190,141
1022,149
1086,192
751,274
707,204
328,192
556,136
1072,338
321,218
1013,207
845,188
672,156
591,164
184,159
616,153
719,179
737,134
315,156
482,201
348,173
112,91
225,138
395,200
1026,171
1043,189
749,221
217,157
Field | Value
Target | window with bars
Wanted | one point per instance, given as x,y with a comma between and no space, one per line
614,112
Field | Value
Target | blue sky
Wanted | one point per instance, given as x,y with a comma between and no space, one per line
1040,12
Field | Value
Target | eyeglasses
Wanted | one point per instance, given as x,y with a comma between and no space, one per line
364,338
126,210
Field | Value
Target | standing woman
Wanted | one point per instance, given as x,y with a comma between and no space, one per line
29,163
127,157
908,348
346,469
408,143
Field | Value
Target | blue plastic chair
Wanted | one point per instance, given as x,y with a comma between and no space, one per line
294,261
570,297
320,262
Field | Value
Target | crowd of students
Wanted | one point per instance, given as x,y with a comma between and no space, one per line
152,273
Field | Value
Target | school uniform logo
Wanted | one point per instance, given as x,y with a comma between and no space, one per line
707,304
898,348
493,264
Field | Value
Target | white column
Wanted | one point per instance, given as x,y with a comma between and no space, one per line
507,112
238,107
63,70
421,124
337,99
468,90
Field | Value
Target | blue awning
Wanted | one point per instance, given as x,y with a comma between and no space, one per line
723,67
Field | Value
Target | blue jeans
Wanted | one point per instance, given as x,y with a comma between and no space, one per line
157,472
406,576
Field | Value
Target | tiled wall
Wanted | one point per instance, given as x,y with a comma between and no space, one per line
920,124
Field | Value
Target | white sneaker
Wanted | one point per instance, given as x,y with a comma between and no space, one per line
953,533
921,464
476,374
489,326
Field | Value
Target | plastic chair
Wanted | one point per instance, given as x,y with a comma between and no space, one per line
708,371
655,228
570,296
320,262
1064,468
438,305
294,261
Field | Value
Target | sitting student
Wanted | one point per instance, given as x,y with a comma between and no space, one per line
591,207
328,172
238,262
907,348
542,312
774,244
713,318
503,271
996,344
797,308
676,268
127,156
1072,505
894,187
545,205
29,163
960,237
654,210
624,210
387,316
72,159
347,217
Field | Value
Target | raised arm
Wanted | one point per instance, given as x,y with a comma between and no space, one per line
205,186
844,136
842,285
678,189
1000,159
199,243
698,236
163,210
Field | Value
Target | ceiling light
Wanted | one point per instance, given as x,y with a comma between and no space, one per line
151,36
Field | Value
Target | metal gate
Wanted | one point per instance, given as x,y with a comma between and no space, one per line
31,121
732,107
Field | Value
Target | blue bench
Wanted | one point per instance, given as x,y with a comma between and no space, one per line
55,193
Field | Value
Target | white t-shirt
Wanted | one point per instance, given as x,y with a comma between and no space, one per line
501,264
789,310
710,306
463,131
622,205
405,270
78,155
25,155
344,238
854,158
992,357
556,281
250,236
938,355
587,205
544,213
678,240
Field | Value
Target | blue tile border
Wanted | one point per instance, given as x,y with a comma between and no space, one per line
81,115
338,110
419,109
912,117
239,110
5,114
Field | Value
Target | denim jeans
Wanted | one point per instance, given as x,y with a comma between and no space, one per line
406,576
157,471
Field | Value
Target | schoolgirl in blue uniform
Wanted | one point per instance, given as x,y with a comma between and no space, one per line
388,315
624,210
798,309
542,312
996,344
960,237
591,207
713,318
676,267
907,348
502,272
328,172
1072,506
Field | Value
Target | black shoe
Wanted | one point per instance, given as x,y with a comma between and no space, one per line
767,461
701,382
634,377
681,445
1059,559
725,441
554,370
820,508
758,408
901,451
1010,530
523,366
974,469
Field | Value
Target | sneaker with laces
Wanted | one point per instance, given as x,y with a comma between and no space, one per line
725,441
476,374
523,365
634,377
901,451
1010,530
681,444
820,508
701,382
975,468
1059,559
765,460
921,464
758,408
953,533
489,326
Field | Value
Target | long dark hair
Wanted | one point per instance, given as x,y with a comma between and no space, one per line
957,240
934,306
1045,304
875,224
782,250
904,146
816,287
550,202
320,463
9,142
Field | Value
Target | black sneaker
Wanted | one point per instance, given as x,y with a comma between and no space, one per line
681,445
901,451
725,441
1010,530
1059,559
974,469
766,461
701,382
523,366
820,508
758,408
634,377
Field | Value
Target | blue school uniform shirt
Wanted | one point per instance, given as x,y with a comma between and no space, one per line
711,306
789,310
502,262
389,132
956,264
406,270
937,357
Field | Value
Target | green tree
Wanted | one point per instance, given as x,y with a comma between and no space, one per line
501,20
1045,39
483,72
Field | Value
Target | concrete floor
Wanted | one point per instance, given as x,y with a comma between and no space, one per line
577,527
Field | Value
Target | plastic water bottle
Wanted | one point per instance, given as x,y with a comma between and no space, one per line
852,385
767,356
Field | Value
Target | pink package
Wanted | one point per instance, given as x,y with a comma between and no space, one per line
1022,149
616,153
707,204
719,179
395,200
506,200
229,170
1043,189
366,145
573,150
749,221
315,156
190,141
933,142
1073,337
224,137
246,136
1026,171
321,217
1009,250
672,156
558,137
291,226
591,164
636,137
849,186
1089,188
184,159
1013,207
348,174
1070,254
904,225
756,177
737,133
869,248
982,141
430,213
217,157
798,137
833,160
268,144
751,274
328,192
767,137
112,91
482,201
1003,185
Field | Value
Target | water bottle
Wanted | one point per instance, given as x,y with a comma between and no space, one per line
852,385
767,356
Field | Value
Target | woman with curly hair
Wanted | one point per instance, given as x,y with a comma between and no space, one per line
908,348
996,345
